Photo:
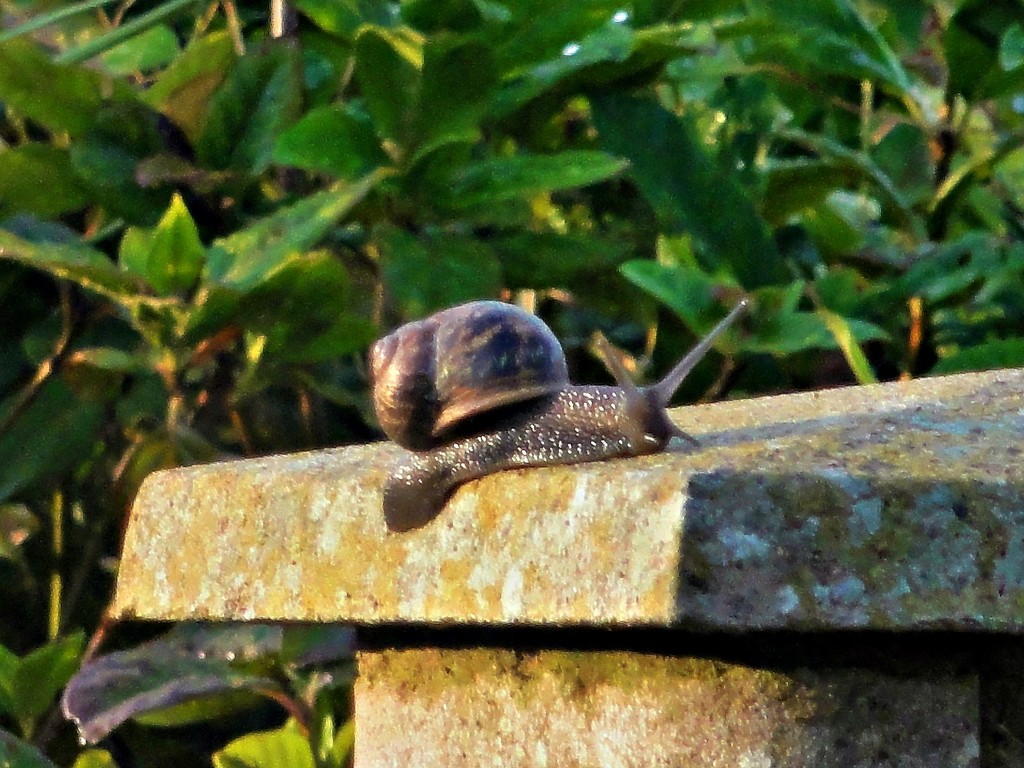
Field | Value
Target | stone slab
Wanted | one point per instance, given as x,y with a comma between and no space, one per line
899,506
486,707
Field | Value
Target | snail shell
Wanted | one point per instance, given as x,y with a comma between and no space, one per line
484,387
431,375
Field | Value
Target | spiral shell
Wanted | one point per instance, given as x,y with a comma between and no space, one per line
431,375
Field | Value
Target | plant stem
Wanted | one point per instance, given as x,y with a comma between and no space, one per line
57,554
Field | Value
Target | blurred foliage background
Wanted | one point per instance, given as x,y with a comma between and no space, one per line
209,209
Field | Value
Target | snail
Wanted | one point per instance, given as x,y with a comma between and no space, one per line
483,387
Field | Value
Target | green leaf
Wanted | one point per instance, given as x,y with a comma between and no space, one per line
611,43
973,44
840,329
301,311
95,758
60,428
39,179
283,748
789,332
182,92
891,197
1000,353
548,260
343,745
59,14
540,31
107,157
796,185
15,753
825,36
111,359
8,666
335,139
60,98
41,675
388,66
1011,48
506,178
687,188
434,16
459,78
426,274
79,264
947,270
252,254
170,257
687,291
344,17
153,48
903,155
260,98
123,31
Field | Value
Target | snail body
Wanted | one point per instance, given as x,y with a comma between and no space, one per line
483,387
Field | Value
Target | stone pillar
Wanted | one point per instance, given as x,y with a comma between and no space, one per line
831,579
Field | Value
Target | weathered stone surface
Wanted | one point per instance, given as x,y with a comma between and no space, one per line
486,707
894,506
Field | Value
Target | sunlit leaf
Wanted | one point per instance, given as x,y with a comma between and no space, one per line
184,89
123,31
153,48
76,263
344,17
283,748
505,178
253,253
95,758
840,329
171,256
111,359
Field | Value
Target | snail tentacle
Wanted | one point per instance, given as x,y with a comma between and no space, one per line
667,387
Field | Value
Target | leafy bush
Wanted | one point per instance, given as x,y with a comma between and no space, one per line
202,227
